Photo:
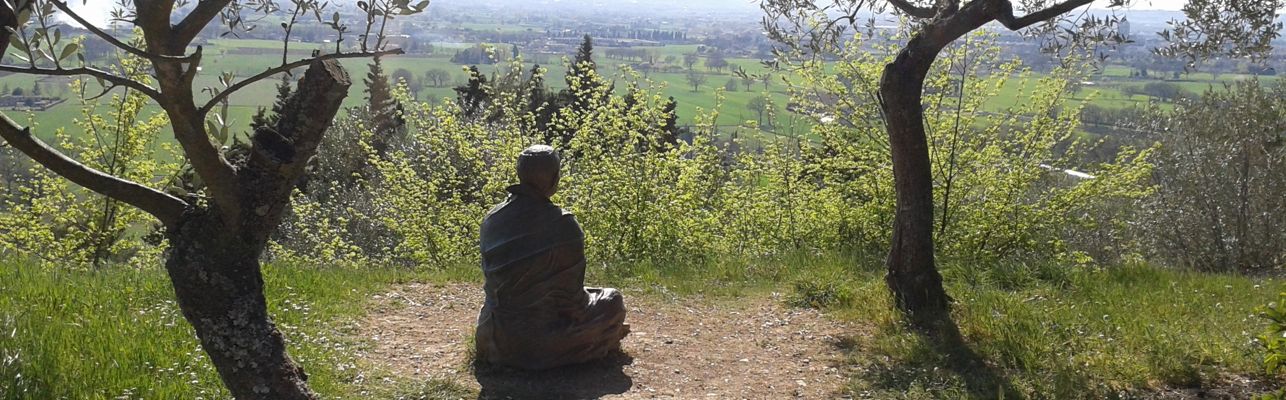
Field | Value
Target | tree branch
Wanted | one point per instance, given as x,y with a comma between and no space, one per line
187,29
113,40
167,208
153,17
94,72
177,100
1005,13
913,10
280,155
287,67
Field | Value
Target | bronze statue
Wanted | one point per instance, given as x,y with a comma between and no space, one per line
538,314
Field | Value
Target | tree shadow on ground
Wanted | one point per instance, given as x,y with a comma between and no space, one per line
981,379
584,381
939,361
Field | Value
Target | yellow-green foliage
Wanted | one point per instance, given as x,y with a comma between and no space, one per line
697,201
1274,341
998,181
715,196
66,225
422,201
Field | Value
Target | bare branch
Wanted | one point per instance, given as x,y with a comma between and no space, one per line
94,72
913,10
219,175
167,208
187,29
287,67
1005,14
112,39
190,74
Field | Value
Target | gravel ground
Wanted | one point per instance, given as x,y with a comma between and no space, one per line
753,348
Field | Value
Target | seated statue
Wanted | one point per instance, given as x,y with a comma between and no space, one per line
538,314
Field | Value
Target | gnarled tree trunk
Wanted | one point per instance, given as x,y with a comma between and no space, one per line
217,280
214,259
912,276
216,240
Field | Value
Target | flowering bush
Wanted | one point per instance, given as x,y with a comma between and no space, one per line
641,202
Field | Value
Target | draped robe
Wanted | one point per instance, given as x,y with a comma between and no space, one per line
538,314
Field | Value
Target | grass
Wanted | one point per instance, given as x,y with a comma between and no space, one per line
246,102
118,332
1056,332
1028,331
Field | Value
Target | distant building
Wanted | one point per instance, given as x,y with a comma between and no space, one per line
34,103
1262,70
1071,174
400,41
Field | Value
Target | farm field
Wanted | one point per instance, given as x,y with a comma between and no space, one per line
245,57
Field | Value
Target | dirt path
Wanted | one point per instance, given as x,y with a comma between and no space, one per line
757,349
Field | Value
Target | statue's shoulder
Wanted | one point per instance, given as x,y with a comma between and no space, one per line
495,211
568,220
566,214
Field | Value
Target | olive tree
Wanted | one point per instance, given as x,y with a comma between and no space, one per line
1220,201
810,28
216,234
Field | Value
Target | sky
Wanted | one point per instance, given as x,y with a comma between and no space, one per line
1150,4
98,11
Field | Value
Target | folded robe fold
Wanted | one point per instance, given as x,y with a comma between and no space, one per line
538,314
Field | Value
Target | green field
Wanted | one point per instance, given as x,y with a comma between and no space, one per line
222,56
1106,89
245,57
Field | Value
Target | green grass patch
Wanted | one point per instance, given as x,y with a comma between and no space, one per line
1041,331
1026,330
119,333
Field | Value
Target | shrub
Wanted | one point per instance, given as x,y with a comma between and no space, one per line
1274,342
638,201
819,295
988,167
1221,180
65,225
418,196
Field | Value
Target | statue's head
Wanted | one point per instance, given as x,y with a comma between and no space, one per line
538,167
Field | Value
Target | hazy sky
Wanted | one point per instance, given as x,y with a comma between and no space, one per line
97,11
1152,4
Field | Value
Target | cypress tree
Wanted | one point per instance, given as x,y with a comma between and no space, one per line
383,108
473,96
670,131
262,119
581,82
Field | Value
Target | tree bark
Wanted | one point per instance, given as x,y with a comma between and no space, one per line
912,276
219,285
214,262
